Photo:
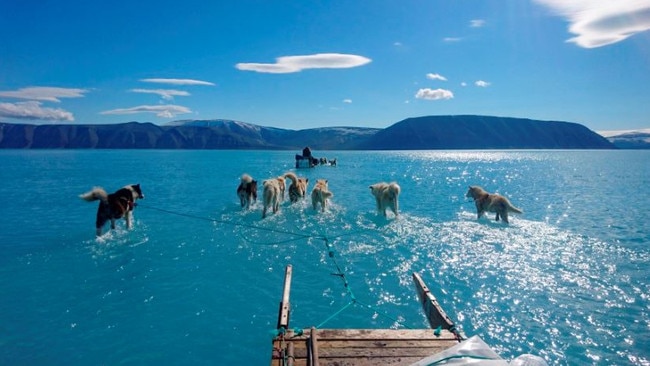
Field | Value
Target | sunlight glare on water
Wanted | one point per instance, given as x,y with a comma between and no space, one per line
566,280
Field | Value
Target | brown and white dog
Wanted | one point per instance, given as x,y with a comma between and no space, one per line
491,202
271,192
386,196
247,191
115,205
298,187
320,194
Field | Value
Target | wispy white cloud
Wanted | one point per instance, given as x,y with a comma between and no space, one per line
348,101
476,23
434,94
34,110
598,23
44,93
289,64
463,84
452,39
397,44
165,111
177,81
432,76
482,84
167,94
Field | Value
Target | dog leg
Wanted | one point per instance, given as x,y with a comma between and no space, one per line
113,224
128,218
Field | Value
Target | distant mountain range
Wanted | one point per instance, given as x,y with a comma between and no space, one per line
631,139
420,133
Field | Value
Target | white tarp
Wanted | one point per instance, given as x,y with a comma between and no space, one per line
474,351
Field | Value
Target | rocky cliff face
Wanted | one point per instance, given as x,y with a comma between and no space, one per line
433,132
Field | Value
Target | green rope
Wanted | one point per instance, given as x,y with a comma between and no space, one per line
376,311
335,314
236,224
353,300
298,236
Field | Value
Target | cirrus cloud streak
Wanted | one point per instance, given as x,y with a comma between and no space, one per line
164,111
177,81
44,93
167,94
290,64
34,111
598,23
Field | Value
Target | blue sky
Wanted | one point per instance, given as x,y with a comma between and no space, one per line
305,64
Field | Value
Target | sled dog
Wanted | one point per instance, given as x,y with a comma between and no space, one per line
271,195
386,196
298,187
247,191
282,185
491,202
320,194
115,205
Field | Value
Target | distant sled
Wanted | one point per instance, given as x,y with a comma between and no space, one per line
306,160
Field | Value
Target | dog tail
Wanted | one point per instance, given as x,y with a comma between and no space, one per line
95,194
514,209
293,177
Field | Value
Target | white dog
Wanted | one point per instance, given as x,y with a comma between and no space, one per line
320,194
386,195
491,202
271,195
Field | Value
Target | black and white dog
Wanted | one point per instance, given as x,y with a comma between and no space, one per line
247,191
115,205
